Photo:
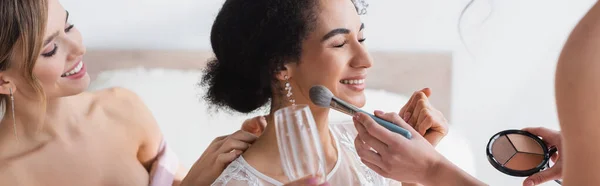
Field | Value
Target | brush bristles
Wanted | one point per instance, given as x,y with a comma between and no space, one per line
320,95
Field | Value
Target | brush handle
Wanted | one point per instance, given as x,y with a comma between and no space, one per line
390,126
350,109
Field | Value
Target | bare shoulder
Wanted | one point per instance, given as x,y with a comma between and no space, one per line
119,103
117,95
129,111
124,108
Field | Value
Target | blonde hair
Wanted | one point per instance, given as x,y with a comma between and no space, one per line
22,28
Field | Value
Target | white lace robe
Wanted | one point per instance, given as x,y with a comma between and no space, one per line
348,170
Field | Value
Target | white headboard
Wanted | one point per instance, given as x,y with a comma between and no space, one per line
397,72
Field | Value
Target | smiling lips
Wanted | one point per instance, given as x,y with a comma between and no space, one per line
356,83
74,71
353,81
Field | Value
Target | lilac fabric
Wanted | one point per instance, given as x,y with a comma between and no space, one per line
165,167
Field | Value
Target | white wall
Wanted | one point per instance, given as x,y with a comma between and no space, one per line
506,81
509,80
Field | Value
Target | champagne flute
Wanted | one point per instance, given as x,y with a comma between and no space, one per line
299,143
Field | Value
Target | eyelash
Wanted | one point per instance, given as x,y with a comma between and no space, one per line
342,45
51,53
69,28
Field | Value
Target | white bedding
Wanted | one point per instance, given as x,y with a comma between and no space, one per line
175,99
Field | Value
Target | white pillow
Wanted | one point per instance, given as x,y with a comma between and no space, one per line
175,99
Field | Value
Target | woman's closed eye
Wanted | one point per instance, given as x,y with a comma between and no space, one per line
55,47
68,29
340,45
344,43
52,52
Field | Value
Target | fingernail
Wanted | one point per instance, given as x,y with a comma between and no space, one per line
378,112
528,183
313,181
355,116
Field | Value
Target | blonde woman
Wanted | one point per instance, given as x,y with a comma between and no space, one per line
54,133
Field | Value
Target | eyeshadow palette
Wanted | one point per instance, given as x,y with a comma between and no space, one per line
517,153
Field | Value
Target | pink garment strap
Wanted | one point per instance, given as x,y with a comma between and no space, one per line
165,167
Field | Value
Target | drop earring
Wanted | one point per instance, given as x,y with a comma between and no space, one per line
288,88
12,107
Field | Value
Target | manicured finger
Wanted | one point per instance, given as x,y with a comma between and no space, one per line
427,92
424,122
233,144
228,157
404,108
377,144
374,129
216,143
422,103
395,119
243,136
220,138
542,177
410,106
255,125
366,153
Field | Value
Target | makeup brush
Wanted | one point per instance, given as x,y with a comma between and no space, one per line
321,96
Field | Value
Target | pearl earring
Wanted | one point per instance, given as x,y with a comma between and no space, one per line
289,94
12,103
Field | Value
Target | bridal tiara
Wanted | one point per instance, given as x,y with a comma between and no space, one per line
361,6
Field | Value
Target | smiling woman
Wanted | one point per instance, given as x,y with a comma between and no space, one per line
106,137
52,120
270,53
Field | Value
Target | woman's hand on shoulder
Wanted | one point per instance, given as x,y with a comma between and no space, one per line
222,151
255,125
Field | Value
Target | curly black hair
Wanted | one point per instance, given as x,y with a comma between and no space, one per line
252,41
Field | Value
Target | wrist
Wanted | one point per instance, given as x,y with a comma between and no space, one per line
445,173
437,172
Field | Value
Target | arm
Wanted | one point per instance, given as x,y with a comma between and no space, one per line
222,151
219,154
141,124
404,160
424,118
578,101
447,174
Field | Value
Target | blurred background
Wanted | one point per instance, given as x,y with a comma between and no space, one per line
502,70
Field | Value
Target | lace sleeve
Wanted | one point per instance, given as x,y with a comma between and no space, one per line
236,175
